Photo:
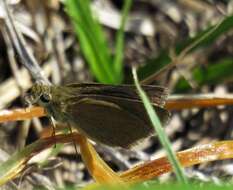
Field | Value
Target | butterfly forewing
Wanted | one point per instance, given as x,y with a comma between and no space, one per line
157,94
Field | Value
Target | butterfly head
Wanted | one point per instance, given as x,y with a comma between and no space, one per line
39,94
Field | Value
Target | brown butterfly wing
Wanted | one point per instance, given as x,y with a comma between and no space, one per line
112,121
112,115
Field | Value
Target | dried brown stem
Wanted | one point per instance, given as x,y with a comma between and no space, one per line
174,102
21,114
200,154
96,166
177,102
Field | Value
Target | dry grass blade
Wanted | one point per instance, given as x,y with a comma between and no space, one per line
102,173
23,51
200,154
99,170
21,114
17,162
174,102
96,166
177,102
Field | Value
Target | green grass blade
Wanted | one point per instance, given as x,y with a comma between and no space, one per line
215,73
91,56
160,132
17,161
156,63
92,41
119,49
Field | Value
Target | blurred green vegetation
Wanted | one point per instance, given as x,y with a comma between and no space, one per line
218,72
107,68
159,186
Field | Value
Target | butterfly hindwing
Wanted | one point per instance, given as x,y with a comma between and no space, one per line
105,119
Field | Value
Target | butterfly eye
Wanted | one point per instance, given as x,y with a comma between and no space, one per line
45,98
30,91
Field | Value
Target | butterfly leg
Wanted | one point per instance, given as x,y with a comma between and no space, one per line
75,146
54,129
